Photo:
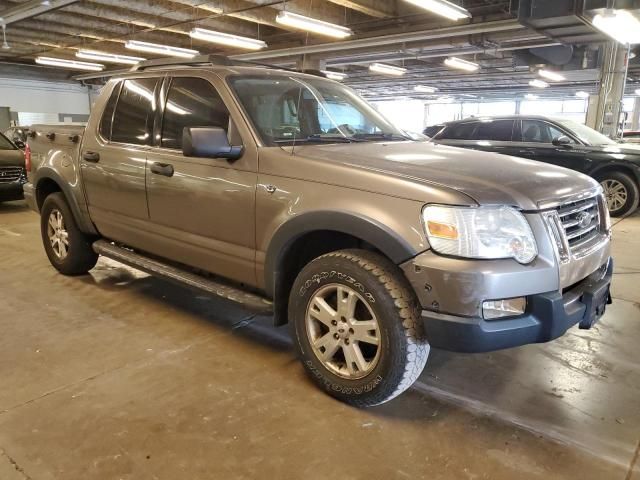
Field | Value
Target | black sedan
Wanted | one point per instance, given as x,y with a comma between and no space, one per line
560,142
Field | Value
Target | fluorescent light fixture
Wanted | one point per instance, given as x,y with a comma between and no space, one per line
61,62
338,76
455,62
387,69
227,39
209,8
108,57
140,23
582,94
620,25
444,99
443,8
531,96
161,49
312,25
424,89
538,83
551,75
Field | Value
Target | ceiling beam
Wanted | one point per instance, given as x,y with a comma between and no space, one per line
373,8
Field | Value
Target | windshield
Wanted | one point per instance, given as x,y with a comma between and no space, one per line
5,144
586,134
288,108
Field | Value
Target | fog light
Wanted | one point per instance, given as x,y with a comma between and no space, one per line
509,307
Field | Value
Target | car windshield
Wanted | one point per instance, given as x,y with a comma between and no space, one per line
586,134
295,108
5,144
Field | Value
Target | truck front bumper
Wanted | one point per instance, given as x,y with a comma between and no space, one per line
10,191
547,316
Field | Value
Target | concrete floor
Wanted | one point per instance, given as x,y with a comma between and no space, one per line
118,375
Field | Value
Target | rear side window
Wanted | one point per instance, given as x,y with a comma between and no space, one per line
497,130
191,102
135,109
459,131
107,115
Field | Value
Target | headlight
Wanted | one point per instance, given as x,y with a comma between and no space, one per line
482,232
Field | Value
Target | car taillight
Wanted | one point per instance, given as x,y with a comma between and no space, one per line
27,158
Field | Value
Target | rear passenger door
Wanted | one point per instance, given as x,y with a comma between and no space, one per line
202,210
113,159
495,136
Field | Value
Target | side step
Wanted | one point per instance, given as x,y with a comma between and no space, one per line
154,267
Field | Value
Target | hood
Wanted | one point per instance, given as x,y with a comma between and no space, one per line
488,178
11,158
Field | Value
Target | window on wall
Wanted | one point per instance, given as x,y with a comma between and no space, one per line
574,109
408,115
191,102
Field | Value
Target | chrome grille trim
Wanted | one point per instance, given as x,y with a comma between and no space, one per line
577,227
10,174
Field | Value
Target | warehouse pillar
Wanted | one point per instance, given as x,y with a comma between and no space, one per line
5,118
605,110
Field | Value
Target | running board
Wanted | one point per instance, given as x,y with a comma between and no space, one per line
183,277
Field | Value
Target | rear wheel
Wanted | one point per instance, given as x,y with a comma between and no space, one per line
621,193
69,250
357,327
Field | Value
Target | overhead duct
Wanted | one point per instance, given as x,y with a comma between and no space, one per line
31,9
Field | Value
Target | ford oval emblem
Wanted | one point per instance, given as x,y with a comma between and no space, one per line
584,219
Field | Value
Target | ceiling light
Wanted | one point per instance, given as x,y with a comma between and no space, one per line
460,64
108,57
444,99
161,49
387,69
338,76
61,62
538,83
530,96
227,39
443,8
620,25
551,75
425,89
312,25
140,23
582,94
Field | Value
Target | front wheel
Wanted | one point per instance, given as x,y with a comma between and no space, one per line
69,250
621,193
357,327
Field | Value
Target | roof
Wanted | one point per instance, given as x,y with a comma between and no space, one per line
502,117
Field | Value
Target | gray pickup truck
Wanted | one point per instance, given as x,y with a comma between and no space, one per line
287,192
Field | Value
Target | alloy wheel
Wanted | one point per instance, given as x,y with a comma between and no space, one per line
615,193
343,331
57,234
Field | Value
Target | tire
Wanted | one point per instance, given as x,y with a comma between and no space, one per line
75,257
392,355
624,186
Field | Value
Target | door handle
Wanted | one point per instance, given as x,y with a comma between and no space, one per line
93,157
165,169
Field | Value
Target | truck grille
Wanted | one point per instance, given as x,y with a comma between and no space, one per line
581,222
10,174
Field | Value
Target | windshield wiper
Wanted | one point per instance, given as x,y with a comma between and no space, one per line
380,136
315,139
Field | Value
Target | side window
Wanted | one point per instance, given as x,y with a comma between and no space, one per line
496,130
107,115
133,118
537,131
191,102
459,131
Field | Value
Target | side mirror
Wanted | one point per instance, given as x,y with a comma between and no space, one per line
20,144
562,141
211,142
